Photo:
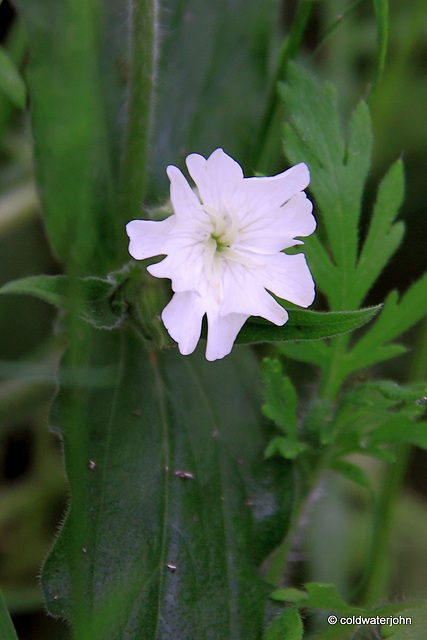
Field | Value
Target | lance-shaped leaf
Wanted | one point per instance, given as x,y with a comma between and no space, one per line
91,298
306,325
172,504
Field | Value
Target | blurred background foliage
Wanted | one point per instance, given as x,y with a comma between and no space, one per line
340,44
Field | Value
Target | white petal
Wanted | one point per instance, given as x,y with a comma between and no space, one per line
244,292
222,332
148,237
185,203
289,278
216,178
182,318
257,196
277,230
184,266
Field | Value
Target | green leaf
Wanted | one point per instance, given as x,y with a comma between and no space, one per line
288,625
7,631
401,429
11,83
351,472
194,110
306,325
338,173
78,56
91,298
326,597
395,318
171,501
287,448
289,595
383,237
280,398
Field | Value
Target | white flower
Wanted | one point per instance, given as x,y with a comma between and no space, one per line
223,248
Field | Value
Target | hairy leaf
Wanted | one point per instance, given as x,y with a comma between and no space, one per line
178,505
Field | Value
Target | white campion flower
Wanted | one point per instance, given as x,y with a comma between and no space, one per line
223,248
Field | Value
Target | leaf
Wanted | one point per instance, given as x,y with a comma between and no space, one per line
91,298
351,472
177,504
338,173
288,625
288,448
383,237
280,398
197,108
326,597
289,595
401,429
7,631
11,83
78,54
395,318
306,325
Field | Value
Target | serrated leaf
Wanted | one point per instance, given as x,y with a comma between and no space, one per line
11,83
179,503
306,325
351,472
280,398
91,298
383,238
401,429
288,625
7,631
287,448
338,173
395,318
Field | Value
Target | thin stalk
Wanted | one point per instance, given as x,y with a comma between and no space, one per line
288,51
143,17
377,572
306,481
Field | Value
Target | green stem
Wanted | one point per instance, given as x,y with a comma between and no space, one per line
332,374
377,577
143,16
306,478
375,588
288,51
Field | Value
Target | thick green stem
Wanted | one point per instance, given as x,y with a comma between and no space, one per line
143,18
